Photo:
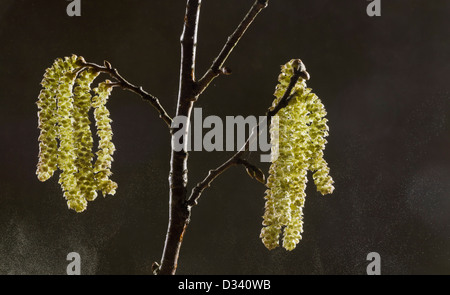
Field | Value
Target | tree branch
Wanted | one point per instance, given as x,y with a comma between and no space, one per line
253,171
212,174
217,65
179,212
124,84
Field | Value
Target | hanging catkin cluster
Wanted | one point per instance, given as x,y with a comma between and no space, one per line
65,140
298,139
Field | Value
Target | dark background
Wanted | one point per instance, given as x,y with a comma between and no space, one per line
383,80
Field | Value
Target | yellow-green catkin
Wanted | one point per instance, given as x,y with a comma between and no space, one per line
298,131
47,105
106,148
65,140
83,135
66,152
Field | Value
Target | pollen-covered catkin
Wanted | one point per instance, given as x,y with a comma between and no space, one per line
318,131
65,140
66,152
106,148
298,131
48,145
83,135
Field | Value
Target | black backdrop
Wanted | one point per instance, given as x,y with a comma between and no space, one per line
384,81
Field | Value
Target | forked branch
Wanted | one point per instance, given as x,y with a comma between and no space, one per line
253,171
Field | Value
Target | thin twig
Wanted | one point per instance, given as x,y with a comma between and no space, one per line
299,72
124,84
218,63
212,174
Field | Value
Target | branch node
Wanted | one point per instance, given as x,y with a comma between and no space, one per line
252,170
155,268
263,3
226,71
107,64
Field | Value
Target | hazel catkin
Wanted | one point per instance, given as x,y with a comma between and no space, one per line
298,131
65,139
106,148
